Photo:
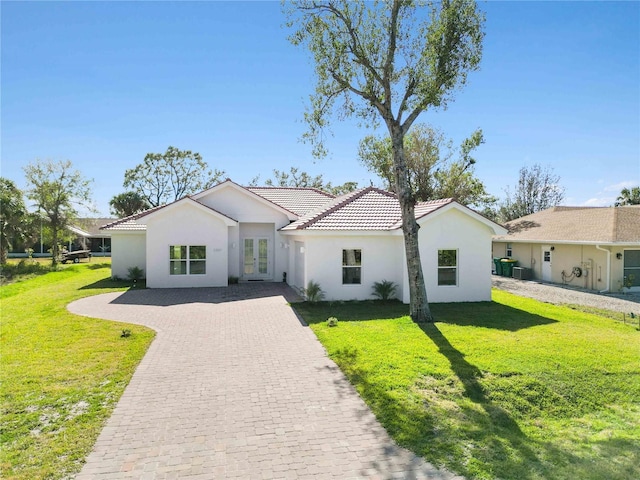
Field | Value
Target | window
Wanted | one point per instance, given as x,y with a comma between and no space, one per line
187,260
509,250
632,268
198,260
351,267
447,267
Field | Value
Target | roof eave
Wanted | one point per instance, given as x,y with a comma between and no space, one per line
502,238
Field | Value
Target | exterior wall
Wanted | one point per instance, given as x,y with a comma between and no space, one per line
243,207
254,216
298,262
259,230
234,247
564,258
455,230
381,260
186,225
128,250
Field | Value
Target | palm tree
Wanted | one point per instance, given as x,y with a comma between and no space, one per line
629,196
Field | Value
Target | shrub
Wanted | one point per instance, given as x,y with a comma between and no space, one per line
384,290
135,273
332,322
313,292
233,280
25,267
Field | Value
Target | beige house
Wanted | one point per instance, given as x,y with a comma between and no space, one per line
596,248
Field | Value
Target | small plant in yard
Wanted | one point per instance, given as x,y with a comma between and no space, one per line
313,293
135,273
384,290
125,333
332,322
233,280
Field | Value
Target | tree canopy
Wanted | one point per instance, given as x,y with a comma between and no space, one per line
629,196
538,188
13,217
165,177
127,203
57,190
387,61
296,178
434,172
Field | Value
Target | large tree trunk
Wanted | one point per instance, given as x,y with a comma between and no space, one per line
419,306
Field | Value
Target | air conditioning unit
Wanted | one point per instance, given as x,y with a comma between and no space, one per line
521,273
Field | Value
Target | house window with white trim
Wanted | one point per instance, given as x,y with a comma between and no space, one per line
351,267
187,259
448,267
509,251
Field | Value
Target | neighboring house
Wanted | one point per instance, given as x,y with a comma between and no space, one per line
90,236
87,235
298,235
597,248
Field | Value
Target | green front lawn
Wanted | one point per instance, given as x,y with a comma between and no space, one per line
61,374
510,389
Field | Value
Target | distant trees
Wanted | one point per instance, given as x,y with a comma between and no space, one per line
296,178
14,218
433,171
538,188
629,196
57,189
128,203
165,177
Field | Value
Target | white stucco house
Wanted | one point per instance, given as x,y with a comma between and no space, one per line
297,235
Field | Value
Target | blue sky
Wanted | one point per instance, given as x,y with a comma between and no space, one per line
104,83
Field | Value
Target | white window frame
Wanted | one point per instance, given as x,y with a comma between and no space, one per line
509,250
455,267
187,260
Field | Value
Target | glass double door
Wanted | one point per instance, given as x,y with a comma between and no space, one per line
256,258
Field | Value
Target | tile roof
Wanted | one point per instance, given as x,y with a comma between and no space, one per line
129,225
130,222
297,200
366,209
578,225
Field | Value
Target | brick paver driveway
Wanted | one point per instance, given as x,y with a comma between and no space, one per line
235,386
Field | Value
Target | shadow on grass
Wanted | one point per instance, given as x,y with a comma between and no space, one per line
476,438
107,283
98,266
476,314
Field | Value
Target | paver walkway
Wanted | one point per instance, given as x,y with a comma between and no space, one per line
235,386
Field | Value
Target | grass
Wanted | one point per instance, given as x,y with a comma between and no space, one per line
16,270
510,389
61,374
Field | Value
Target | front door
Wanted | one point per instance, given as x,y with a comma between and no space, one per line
546,263
256,263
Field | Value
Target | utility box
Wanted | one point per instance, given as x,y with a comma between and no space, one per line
507,266
521,273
